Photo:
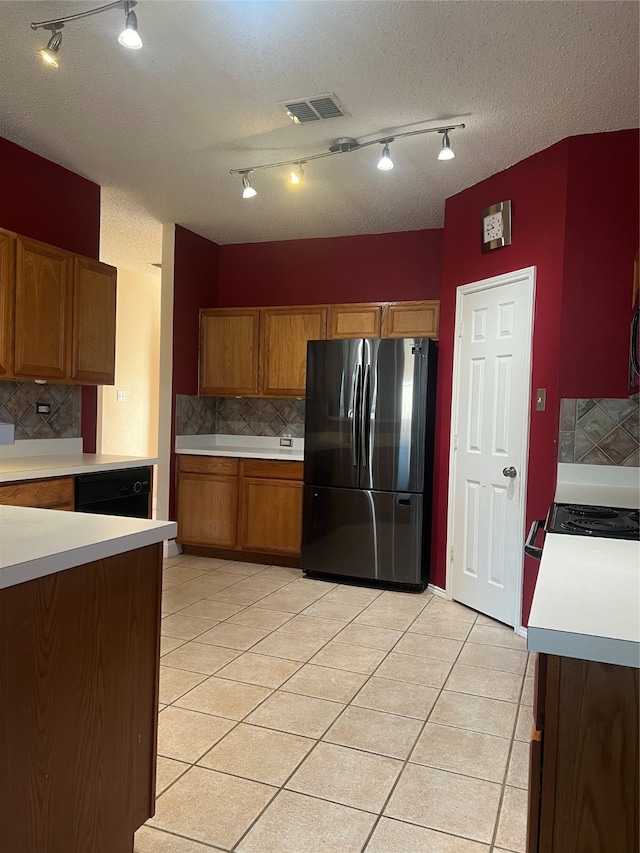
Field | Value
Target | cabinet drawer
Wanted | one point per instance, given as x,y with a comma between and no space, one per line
208,465
272,469
46,494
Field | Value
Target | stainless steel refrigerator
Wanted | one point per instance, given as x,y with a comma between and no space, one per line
368,459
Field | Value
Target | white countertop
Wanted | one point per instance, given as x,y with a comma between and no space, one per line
598,485
245,446
65,464
586,602
39,542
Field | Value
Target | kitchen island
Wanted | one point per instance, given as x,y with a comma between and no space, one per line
584,765
79,656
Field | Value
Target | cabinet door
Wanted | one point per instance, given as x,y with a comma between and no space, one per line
207,510
354,321
271,512
94,322
284,333
229,351
7,280
411,319
42,310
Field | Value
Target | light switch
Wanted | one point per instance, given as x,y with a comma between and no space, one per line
120,396
541,399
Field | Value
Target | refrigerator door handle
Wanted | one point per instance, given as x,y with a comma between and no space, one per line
355,414
365,417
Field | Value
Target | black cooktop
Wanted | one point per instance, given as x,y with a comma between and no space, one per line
610,522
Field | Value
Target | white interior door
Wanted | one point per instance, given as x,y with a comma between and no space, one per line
490,437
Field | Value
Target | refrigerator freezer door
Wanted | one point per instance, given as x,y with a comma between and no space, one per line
332,415
394,413
360,534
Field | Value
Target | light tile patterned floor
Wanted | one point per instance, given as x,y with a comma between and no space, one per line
299,716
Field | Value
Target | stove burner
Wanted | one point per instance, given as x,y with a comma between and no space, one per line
588,525
634,516
592,511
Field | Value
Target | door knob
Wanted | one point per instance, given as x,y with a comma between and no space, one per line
510,471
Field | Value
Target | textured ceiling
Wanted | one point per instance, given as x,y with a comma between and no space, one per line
159,128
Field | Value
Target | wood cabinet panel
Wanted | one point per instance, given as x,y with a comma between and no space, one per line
363,320
284,333
54,493
271,513
94,322
229,341
272,469
411,319
208,464
79,653
207,509
42,310
7,296
589,776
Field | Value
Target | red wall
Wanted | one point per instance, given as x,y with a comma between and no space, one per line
46,202
365,268
601,243
195,281
579,343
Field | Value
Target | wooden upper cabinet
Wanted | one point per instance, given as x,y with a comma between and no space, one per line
7,280
284,333
411,319
229,339
94,322
42,310
354,321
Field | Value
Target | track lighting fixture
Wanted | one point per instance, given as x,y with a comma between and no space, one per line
129,37
385,162
296,175
49,53
247,190
446,152
345,145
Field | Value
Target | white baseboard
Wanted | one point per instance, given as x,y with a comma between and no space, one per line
171,549
437,590
521,632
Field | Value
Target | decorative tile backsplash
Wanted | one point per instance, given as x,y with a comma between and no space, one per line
18,406
600,431
239,416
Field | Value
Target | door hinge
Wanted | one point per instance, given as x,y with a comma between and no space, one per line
460,330
455,442
451,553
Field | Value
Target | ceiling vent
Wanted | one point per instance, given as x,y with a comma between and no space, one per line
318,108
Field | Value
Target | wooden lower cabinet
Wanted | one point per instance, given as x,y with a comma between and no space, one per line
270,513
584,770
79,664
247,508
207,501
53,493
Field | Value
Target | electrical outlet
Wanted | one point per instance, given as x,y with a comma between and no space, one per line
43,408
120,396
541,399
286,441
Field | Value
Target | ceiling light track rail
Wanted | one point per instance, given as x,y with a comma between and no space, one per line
345,145
63,19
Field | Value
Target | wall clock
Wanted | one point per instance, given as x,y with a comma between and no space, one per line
495,226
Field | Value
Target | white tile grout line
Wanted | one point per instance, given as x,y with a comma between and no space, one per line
309,660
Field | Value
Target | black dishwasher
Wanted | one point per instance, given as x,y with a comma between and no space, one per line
123,492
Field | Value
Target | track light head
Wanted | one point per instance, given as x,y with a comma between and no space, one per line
247,190
446,152
129,36
296,175
385,162
49,53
